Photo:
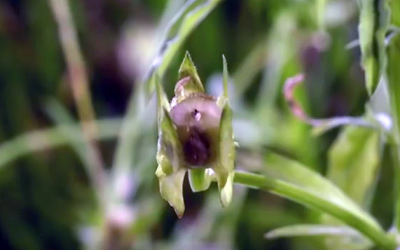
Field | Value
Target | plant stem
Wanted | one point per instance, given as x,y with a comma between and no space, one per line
48,139
396,162
286,190
80,90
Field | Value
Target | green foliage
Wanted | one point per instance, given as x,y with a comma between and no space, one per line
323,181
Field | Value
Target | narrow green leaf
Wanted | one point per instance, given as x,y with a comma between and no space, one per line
311,230
353,163
294,181
342,237
321,6
185,21
395,12
374,22
199,179
393,74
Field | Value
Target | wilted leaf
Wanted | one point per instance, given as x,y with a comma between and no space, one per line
321,125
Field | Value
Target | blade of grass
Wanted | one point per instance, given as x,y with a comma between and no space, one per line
354,163
311,230
393,79
80,90
54,137
320,6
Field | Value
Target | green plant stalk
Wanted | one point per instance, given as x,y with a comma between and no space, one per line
57,136
280,188
396,162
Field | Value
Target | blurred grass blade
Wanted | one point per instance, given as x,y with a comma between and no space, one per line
186,20
57,136
373,25
353,163
342,237
249,68
311,230
393,75
321,6
296,182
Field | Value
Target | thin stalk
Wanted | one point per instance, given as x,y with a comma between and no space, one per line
80,90
396,162
58,136
283,189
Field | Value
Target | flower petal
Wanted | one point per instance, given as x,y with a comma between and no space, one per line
224,97
199,179
189,80
227,190
171,189
226,164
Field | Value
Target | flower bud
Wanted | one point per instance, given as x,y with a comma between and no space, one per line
195,135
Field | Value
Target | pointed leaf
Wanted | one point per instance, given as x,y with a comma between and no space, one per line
224,97
353,162
171,189
227,190
393,74
227,155
374,22
192,84
199,179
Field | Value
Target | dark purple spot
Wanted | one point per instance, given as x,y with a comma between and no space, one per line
197,148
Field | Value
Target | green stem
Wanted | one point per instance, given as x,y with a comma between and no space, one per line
51,138
283,189
396,163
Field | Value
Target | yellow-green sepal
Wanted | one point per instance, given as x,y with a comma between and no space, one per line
199,179
226,158
171,189
171,170
225,78
189,80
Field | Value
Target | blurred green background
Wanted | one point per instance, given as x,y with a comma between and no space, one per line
46,197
